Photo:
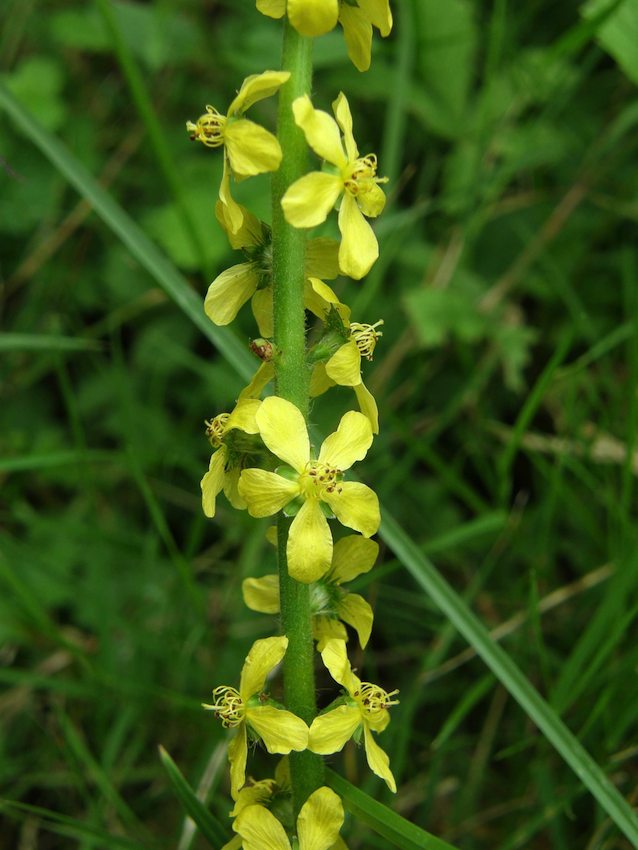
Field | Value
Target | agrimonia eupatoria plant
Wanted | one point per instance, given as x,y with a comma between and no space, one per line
263,456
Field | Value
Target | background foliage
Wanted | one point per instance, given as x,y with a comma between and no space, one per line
506,380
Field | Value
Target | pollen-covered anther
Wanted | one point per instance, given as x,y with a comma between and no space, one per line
209,129
374,699
320,477
228,706
362,175
215,429
365,337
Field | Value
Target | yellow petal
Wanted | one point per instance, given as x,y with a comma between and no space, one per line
320,819
378,13
329,732
231,488
283,430
262,594
378,760
259,829
262,311
309,549
257,87
262,376
372,201
357,32
341,109
319,298
322,258
352,556
258,792
355,611
272,8
367,405
281,731
213,482
326,628
359,248
229,292
263,656
335,658
251,149
313,17
319,381
355,506
233,844
237,756
265,492
229,213
309,200
349,443
344,367
249,234
321,131
244,416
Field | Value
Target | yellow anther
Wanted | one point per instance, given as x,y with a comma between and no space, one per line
209,129
319,478
361,175
215,429
373,699
365,337
228,706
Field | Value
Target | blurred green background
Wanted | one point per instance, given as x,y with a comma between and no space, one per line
506,382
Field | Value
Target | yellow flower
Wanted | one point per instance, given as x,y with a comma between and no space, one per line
344,367
249,148
320,819
357,20
309,200
330,603
320,382
309,17
365,706
248,709
226,462
253,279
311,482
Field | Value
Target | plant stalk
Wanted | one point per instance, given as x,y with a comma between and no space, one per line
288,247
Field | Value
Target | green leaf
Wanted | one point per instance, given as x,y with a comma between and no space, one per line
208,825
618,35
383,820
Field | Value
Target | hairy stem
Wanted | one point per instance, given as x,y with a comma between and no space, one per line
292,384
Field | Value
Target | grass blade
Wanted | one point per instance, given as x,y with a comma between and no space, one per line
207,824
383,820
45,342
146,252
511,676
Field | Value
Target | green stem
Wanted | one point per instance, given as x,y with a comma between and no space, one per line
288,246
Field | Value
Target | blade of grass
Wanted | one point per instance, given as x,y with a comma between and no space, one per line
45,342
146,252
511,676
383,820
207,824
48,461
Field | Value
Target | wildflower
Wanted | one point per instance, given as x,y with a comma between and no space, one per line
357,20
253,279
365,706
251,712
309,200
318,825
344,367
308,17
249,148
330,603
310,483
231,453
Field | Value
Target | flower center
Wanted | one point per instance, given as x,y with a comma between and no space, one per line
209,128
372,699
362,175
318,479
215,429
365,337
228,706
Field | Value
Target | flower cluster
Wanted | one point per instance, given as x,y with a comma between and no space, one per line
264,458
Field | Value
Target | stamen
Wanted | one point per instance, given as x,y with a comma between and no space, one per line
366,336
209,129
361,175
228,706
373,699
320,478
215,429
